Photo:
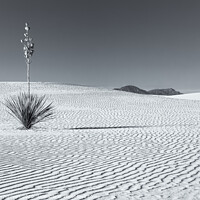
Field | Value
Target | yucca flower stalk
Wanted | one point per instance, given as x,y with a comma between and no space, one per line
28,52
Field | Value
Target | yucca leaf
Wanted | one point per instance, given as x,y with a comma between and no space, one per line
29,109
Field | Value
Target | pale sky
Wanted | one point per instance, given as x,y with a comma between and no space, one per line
108,43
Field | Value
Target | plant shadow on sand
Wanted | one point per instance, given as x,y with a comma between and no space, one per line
40,128
124,127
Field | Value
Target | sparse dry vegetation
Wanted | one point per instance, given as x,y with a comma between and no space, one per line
29,110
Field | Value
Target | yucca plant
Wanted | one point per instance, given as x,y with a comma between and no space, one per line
29,109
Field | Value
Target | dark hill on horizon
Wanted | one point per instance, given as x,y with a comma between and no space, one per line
134,89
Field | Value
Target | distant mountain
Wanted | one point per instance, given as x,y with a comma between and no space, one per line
131,88
168,91
134,89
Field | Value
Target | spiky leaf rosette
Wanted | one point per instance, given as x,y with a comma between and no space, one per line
29,110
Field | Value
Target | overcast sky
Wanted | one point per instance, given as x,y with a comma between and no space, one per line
109,43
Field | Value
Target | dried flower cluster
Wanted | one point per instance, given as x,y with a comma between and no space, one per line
28,44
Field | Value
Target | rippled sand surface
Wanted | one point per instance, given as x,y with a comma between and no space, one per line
102,145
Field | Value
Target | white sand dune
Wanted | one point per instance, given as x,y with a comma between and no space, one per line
189,96
102,145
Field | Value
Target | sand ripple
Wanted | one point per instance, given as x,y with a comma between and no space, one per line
102,145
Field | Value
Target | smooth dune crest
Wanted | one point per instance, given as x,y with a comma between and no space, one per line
190,96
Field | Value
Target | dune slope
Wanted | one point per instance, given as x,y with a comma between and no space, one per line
189,96
102,145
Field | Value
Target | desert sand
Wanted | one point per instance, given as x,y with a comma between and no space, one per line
101,145
190,96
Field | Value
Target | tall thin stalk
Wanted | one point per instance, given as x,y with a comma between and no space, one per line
27,108
28,52
28,79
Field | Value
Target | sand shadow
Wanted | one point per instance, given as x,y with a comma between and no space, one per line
111,127
126,127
